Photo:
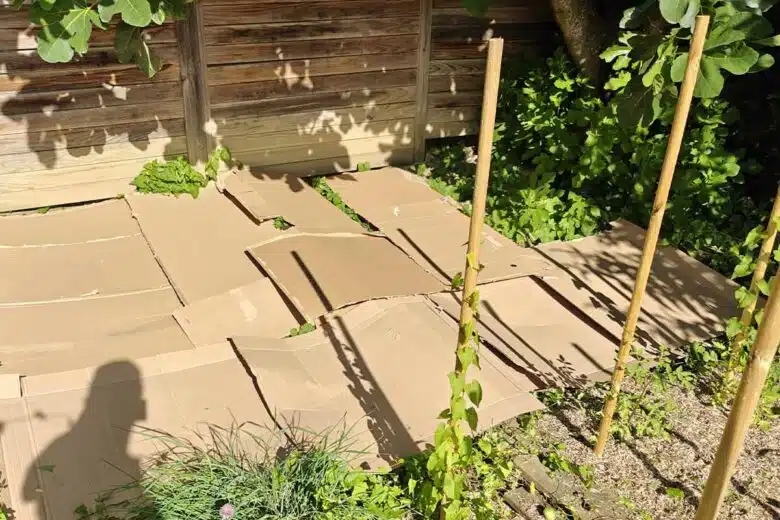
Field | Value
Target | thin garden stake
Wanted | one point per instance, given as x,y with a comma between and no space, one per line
764,255
654,227
742,410
484,153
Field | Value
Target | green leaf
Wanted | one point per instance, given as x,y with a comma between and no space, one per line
653,71
743,268
682,12
773,41
675,492
737,58
52,47
765,287
147,62
764,62
678,67
474,391
619,81
133,12
472,418
127,42
710,81
613,52
732,26
633,17
457,383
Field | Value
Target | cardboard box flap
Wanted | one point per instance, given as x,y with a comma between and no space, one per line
375,360
322,273
266,196
685,300
537,336
256,309
94,437
146,338
200,242
62,226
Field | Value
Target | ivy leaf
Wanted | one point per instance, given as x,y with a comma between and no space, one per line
472,418
737,58
710,81
134,12
744,268
474,391
765,286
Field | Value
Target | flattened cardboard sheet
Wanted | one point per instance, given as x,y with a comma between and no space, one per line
76,434
73,225
538,337
322,273
77,273
200,242
147,338
430,228
267,196
374,361
685,300
256,309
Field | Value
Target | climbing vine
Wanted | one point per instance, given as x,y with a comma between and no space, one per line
66,27
453,453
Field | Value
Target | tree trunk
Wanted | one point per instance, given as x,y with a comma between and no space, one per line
584,31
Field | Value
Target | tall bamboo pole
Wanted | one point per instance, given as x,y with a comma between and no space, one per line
744,407
764,256
484,154
654,227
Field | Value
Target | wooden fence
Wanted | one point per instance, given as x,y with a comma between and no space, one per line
290,86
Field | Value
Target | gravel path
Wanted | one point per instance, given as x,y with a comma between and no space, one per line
642,470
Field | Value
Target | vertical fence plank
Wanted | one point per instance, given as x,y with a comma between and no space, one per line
423,64
195,93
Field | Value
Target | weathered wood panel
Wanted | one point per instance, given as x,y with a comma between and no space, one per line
298,72
265,13
307,49
293,81
279,32
80,130
342,163
456,83
342,83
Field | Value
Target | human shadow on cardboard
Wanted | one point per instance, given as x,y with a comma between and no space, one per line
92,457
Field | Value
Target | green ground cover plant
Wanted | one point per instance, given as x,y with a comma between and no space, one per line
178,176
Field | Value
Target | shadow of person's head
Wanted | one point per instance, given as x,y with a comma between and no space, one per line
90,453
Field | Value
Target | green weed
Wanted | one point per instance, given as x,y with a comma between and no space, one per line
321,185
178,176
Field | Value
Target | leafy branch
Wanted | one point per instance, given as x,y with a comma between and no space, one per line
66,27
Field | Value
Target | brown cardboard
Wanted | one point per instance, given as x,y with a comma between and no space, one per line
77,273
147,338
256,309
322,273
375,361
429,227
266,196
200,242
685,300
75,434
98,221
537,336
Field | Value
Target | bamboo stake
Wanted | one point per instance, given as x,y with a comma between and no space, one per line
654,227
764,256
484,153
742,411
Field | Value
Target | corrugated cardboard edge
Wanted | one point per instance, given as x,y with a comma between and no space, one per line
247,198
296,303
151,366
10,386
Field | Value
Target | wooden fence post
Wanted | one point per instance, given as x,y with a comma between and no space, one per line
654,226
484,154
421,90
764,256
744,407
194,85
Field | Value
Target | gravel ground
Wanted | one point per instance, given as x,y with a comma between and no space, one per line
642,470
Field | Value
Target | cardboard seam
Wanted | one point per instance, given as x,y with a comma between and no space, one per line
71,299
68,244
